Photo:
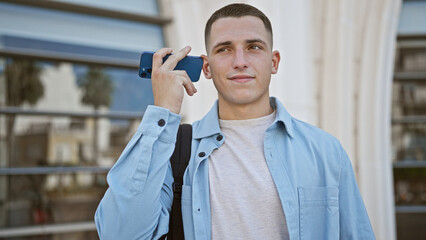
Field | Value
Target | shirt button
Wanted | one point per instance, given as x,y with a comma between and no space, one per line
161,122
219,138
202,154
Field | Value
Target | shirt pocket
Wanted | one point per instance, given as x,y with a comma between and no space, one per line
319,213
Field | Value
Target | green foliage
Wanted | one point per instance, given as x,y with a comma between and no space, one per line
97,88
23,82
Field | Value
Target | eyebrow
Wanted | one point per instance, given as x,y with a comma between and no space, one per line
256,41
226,43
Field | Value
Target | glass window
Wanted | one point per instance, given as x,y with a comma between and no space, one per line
70,100
64,157
409,122
66,87
409,137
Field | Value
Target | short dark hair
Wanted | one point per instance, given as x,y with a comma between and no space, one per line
236,10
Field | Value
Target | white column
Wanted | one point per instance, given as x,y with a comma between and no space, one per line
354,53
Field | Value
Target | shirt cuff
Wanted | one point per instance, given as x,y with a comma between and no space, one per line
158,121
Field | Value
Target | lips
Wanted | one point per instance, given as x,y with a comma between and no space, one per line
241,78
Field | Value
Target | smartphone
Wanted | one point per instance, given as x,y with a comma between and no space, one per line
191,64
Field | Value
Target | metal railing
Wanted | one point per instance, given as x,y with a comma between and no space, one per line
409,119
50,170
110,115
409,164
47,229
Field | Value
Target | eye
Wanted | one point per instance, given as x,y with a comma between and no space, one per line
222,50
255,47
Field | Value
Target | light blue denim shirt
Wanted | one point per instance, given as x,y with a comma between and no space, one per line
311,171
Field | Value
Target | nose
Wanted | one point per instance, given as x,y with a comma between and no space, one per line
240,61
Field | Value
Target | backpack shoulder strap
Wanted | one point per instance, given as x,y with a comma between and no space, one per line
179,161
182,154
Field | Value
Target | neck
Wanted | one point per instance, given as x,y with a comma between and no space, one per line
232,111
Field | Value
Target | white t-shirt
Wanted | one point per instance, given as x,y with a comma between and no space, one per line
244,201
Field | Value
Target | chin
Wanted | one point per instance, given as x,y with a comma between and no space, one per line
242,99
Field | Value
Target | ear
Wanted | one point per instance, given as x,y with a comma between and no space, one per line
206,67
276,57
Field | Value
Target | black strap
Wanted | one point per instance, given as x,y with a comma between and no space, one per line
179,162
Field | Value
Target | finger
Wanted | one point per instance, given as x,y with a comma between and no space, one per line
189,87
186,82
173,60
157,58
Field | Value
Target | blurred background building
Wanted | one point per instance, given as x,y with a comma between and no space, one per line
70,98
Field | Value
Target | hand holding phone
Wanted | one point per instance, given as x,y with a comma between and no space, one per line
190,64
167,80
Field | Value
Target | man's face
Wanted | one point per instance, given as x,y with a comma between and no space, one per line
240,60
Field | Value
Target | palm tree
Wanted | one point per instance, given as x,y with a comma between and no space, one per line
97,90
23,85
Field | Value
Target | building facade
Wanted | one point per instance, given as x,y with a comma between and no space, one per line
353,68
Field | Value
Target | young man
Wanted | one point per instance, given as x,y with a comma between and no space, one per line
255,172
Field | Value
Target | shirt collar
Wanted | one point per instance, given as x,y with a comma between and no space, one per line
209,124
282,115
